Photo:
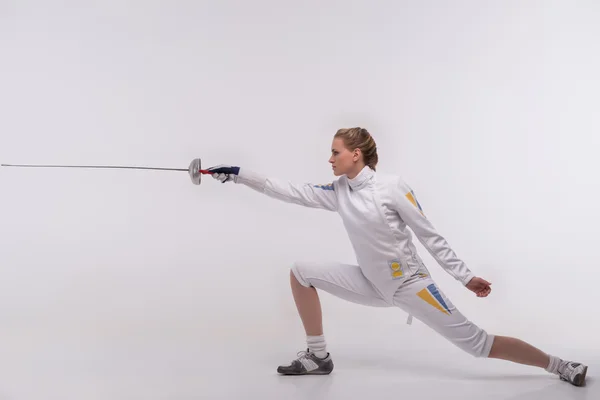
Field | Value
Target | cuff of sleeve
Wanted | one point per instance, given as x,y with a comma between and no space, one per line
467,278
250,178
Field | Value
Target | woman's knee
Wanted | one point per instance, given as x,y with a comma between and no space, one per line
461,332
478,345
297,274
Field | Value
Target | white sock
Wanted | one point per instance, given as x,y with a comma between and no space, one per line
556,365
317,345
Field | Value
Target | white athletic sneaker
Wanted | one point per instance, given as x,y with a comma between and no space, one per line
574,373
308,363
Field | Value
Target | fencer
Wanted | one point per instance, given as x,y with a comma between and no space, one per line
379,211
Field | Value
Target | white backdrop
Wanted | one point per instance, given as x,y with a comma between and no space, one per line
488,109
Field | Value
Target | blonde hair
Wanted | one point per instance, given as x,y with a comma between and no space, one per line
360,138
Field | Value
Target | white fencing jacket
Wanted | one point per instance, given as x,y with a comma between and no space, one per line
376,211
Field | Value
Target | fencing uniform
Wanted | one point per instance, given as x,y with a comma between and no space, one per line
377,211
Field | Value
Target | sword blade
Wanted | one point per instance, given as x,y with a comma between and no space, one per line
93,166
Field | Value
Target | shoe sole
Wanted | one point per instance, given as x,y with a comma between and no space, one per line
305,373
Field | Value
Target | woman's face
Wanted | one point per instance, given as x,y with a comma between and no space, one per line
343,161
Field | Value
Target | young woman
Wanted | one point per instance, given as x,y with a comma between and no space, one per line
377,211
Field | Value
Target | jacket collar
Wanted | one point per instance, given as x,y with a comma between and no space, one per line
362,179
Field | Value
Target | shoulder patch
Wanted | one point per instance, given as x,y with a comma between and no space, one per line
328,186
413,199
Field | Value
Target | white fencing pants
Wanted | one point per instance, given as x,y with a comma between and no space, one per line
419,297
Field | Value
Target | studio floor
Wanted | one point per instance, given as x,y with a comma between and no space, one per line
146,362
